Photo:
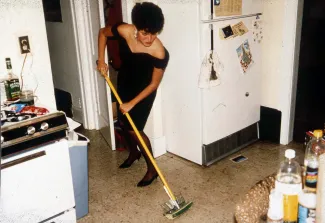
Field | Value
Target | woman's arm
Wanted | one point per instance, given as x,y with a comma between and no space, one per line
154,84
102,38
123,30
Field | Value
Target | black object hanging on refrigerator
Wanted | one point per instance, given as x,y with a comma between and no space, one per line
213,74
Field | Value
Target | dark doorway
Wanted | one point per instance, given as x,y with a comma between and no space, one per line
310,101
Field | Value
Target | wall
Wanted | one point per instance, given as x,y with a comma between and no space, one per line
154,126
181,97
282,30
63,54
20,18
167,114
271,51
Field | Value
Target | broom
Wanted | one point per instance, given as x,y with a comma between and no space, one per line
175,206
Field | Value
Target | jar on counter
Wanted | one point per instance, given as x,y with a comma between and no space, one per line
27,96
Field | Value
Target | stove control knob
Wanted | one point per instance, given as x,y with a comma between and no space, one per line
44,126
31,130
2,139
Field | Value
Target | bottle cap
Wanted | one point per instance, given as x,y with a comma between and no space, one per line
318,133
290,154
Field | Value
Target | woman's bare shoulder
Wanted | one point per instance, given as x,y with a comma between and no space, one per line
125,30
159,50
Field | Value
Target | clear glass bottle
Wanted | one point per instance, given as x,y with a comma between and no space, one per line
314,148
288,182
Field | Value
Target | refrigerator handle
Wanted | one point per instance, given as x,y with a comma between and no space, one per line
211,33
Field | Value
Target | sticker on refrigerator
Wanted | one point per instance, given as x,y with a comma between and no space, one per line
227,32
257,29
245,56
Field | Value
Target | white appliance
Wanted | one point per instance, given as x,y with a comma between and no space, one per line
204,125
36,186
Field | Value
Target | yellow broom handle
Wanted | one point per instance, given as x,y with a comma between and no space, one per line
141,139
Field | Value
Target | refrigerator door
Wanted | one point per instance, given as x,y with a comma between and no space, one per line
248,7
235,103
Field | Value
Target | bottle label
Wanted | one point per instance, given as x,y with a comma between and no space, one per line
12,89
311,177
288,189
290,200
8,63
306,215
290,208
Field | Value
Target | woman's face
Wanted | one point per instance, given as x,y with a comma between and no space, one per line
146,38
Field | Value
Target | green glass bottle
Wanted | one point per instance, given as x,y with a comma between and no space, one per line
12,85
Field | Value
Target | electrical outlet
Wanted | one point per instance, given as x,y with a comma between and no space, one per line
24,44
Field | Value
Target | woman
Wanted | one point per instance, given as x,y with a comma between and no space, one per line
144,60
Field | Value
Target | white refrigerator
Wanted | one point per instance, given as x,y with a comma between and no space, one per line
206,120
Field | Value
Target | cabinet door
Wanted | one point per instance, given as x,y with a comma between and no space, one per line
36,185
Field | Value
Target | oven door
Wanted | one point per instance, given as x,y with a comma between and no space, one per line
65,217
36,185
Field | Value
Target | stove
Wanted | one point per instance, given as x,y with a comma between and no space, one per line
25,132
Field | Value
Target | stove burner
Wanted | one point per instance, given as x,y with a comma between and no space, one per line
18,118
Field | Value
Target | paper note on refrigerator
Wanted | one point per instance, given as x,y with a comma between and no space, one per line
228,7
239,29
245,56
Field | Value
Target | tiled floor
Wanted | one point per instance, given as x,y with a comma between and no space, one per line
114,197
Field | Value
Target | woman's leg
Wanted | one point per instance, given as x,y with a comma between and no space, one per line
134,153
151,173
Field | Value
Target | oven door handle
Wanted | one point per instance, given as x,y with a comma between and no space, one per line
23,159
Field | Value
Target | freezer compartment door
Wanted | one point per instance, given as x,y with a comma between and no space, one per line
248,7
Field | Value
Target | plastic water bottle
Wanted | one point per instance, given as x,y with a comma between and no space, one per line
288,182
314,148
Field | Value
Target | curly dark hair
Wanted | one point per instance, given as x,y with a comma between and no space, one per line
148,17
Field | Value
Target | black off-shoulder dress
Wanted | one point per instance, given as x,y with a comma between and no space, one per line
134,76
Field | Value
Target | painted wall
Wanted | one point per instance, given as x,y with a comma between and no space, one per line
163,127
20,18
271,51
181,101
63,55
154,127
282,31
